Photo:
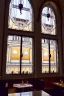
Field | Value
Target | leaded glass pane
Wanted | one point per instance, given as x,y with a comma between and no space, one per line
20,20
48,23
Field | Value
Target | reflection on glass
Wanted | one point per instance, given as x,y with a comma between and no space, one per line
45,56
48,21
21,94
27,60
13,55
54,56
17,20
31,93
44,94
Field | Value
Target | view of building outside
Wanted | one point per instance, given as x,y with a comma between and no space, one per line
19,54
49,56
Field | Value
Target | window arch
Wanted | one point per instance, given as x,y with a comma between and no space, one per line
48,21
20,19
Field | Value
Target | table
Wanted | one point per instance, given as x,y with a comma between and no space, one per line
58,84
30,93
21,87
58,88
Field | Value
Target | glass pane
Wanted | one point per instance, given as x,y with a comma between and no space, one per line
27,51
48,21
45,56
13,55
20,20
54,56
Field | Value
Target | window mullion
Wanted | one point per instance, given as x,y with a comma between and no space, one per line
49,54
56,56
21,55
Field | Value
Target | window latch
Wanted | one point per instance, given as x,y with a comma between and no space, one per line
21,54
50,55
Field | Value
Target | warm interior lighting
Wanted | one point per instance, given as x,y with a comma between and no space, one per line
14,51
45,54
25,52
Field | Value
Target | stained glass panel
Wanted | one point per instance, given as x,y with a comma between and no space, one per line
48,23
20,20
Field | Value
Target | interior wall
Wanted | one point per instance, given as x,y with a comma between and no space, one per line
62,30
2,12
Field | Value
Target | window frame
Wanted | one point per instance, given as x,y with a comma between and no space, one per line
37,39
8,32
56,37
21,57
49,55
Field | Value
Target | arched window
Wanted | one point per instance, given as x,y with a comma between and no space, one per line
49,44
19,57
20,15
48,22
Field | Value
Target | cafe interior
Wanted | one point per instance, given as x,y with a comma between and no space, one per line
32,48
